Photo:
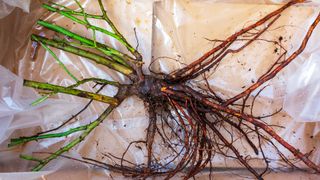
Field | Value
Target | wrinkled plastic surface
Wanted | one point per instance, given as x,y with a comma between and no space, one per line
15,109
303,91
179,29
11,103
127,122
180,35
7,6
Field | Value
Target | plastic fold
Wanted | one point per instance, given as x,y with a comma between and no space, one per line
170,33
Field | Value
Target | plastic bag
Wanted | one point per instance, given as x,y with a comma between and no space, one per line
7,6
302,100
182,33
12,102
125,121
129,121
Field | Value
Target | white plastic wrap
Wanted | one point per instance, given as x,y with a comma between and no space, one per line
127,122
302,100
16,113
7,6
11,103
182,29
15,110
179,31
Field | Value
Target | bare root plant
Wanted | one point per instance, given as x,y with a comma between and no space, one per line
192,124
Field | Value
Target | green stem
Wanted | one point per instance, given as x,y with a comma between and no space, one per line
117,32
87,54
30,158
75,92
96,80
112,53
76,141
89,26
59,62
117,35
122,60
21,140
41,99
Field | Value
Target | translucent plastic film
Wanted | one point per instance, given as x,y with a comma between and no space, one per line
12,103
170,33
7,6
184,30
302,100
181,34
127,122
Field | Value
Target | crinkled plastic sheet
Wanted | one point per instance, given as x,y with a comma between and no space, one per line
302,101
180,35
179,31
7,6
114,134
